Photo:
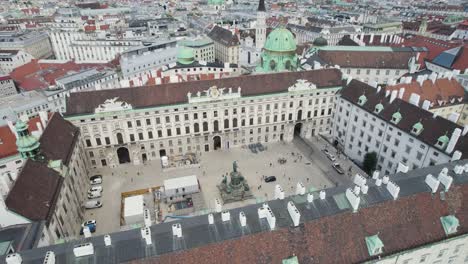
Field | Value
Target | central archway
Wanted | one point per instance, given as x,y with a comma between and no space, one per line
216,142
123,154
297,129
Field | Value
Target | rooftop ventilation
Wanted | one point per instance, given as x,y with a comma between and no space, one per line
393,189
445,180
414,99
450,224
322,195
360,180
374,245
375,175
210,219
378,182
107,240
458,169
456,155
357,189
82,250
265,212
14,258
294,213
300,189
177,230
310,197
49,258
432,182
225,216
279,193
385,179
242,219
353,199
364,188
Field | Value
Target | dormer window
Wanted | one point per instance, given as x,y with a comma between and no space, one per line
396,117
362,100
442,141
417,128
374,245
450,224
378,108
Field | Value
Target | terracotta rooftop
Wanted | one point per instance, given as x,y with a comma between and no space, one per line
443,91
176,93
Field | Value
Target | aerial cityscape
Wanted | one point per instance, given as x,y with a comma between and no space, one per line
234,131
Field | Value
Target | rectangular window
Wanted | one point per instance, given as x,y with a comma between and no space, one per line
98,141
169,132
138,123
148,122
140,136
132,137
129,124
107,139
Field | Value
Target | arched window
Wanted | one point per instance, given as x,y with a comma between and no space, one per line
216,126
226,123
205,126
234,122
196,128
272,65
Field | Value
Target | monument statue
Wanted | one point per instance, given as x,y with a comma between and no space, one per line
237,188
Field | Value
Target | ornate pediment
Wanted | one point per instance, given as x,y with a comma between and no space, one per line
213,94
111,105
302,85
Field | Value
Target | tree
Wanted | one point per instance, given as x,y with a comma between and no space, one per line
370,162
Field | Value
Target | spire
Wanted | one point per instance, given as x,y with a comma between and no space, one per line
261,6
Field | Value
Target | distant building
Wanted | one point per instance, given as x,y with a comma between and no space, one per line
203,49
333,35
35,43
279,52
7,86
24,104
369,119
226,45
11,59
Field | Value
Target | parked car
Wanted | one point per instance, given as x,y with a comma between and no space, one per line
93,195
89,222
97,188
93,204
338,168
325,151
96,179
330,156
270,179
92,229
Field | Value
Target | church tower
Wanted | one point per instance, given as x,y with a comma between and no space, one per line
260,29
28,145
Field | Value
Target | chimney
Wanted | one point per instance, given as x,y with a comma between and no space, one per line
13,258
432,182
294,213
385,179
86,232
458,169
357,189
279,193
465,130
378,182
242,219
225,216
449,75
177,230
453,117
445,180
453,140
12,128
265,212
379,88
353,199
409,79
322,195
107,240
393,95
420,80
433,77
402,168
39,128
210,219
371,38
349,80
364,189
401,92
218,206
147,217
455,72
44,119
310,197
456,155
49,258
393,189
359,180
387,92
146,235
300,189
426,104
414,99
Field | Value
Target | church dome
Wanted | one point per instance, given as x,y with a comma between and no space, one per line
185,56
320,41
280,40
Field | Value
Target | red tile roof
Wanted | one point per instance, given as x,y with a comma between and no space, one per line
403,224
442,90
434,46
8,139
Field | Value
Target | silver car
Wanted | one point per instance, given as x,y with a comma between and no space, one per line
93,204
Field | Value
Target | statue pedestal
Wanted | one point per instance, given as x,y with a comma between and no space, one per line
236,190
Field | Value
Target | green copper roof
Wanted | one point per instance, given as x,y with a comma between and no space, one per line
20,125
450,224
444,139
185,56
215,2
396,117
27,143
418,127
320,41
379,107
362,99
280,40
374,245
291,260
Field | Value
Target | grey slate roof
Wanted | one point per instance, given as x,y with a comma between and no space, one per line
224,36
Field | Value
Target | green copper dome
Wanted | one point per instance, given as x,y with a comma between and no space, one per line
28,146
185,56
20,125
320,42
280,40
